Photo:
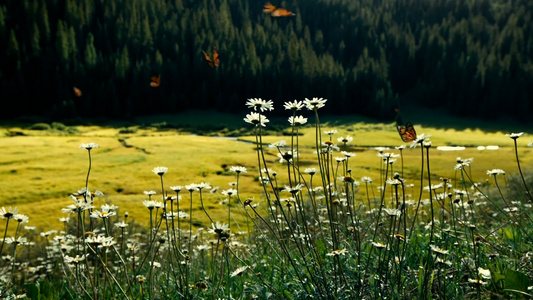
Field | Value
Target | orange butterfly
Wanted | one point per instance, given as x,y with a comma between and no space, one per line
268,8
275,11
77,91
155,81
407,133
214,61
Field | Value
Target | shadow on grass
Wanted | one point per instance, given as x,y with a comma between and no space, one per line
439,119
213,123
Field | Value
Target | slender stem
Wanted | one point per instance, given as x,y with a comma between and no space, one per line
520,170
203,208
430,198
420,193
15,243
240,202
427,272
88,173
5,235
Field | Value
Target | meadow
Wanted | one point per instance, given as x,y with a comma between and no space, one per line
361,218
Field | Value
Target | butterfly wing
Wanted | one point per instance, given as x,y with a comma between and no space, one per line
268,8
281,12
209,60
155,81
407,133
411,130
77,91
216,60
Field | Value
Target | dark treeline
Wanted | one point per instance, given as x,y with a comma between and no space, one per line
469,57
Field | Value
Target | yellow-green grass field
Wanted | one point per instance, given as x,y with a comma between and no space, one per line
41,168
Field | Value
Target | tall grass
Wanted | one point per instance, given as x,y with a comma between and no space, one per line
320,235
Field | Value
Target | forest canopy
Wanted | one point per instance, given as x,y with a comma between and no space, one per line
72,58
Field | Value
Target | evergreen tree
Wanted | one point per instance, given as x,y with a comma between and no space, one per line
13,52
364,56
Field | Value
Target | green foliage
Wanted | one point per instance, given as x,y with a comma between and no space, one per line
51,289
13,49
126,130
32,291
41,126
517,281
314,234
366,57
15,132
62,43
91,58
54,127
59,126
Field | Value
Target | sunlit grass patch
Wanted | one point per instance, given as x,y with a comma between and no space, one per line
328,212
29,165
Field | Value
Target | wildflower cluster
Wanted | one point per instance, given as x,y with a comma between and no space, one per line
320,229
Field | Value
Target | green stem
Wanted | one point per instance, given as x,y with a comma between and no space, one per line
528,194
5,235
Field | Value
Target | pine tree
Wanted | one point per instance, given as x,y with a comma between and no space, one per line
35,40
13,52
91,57
62,43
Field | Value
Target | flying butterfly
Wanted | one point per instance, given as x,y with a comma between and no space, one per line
77,91
407,132
214,61
155,81
276,11
268,8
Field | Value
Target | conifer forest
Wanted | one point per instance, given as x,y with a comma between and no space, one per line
87,58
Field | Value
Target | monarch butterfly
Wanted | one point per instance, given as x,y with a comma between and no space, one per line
214,61
77,91
155,81
407,133
275,11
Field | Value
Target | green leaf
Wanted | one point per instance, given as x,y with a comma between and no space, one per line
499,279
320,247
515,280
32,291
509,234
519,292
421,274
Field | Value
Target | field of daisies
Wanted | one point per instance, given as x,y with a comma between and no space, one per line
324,233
